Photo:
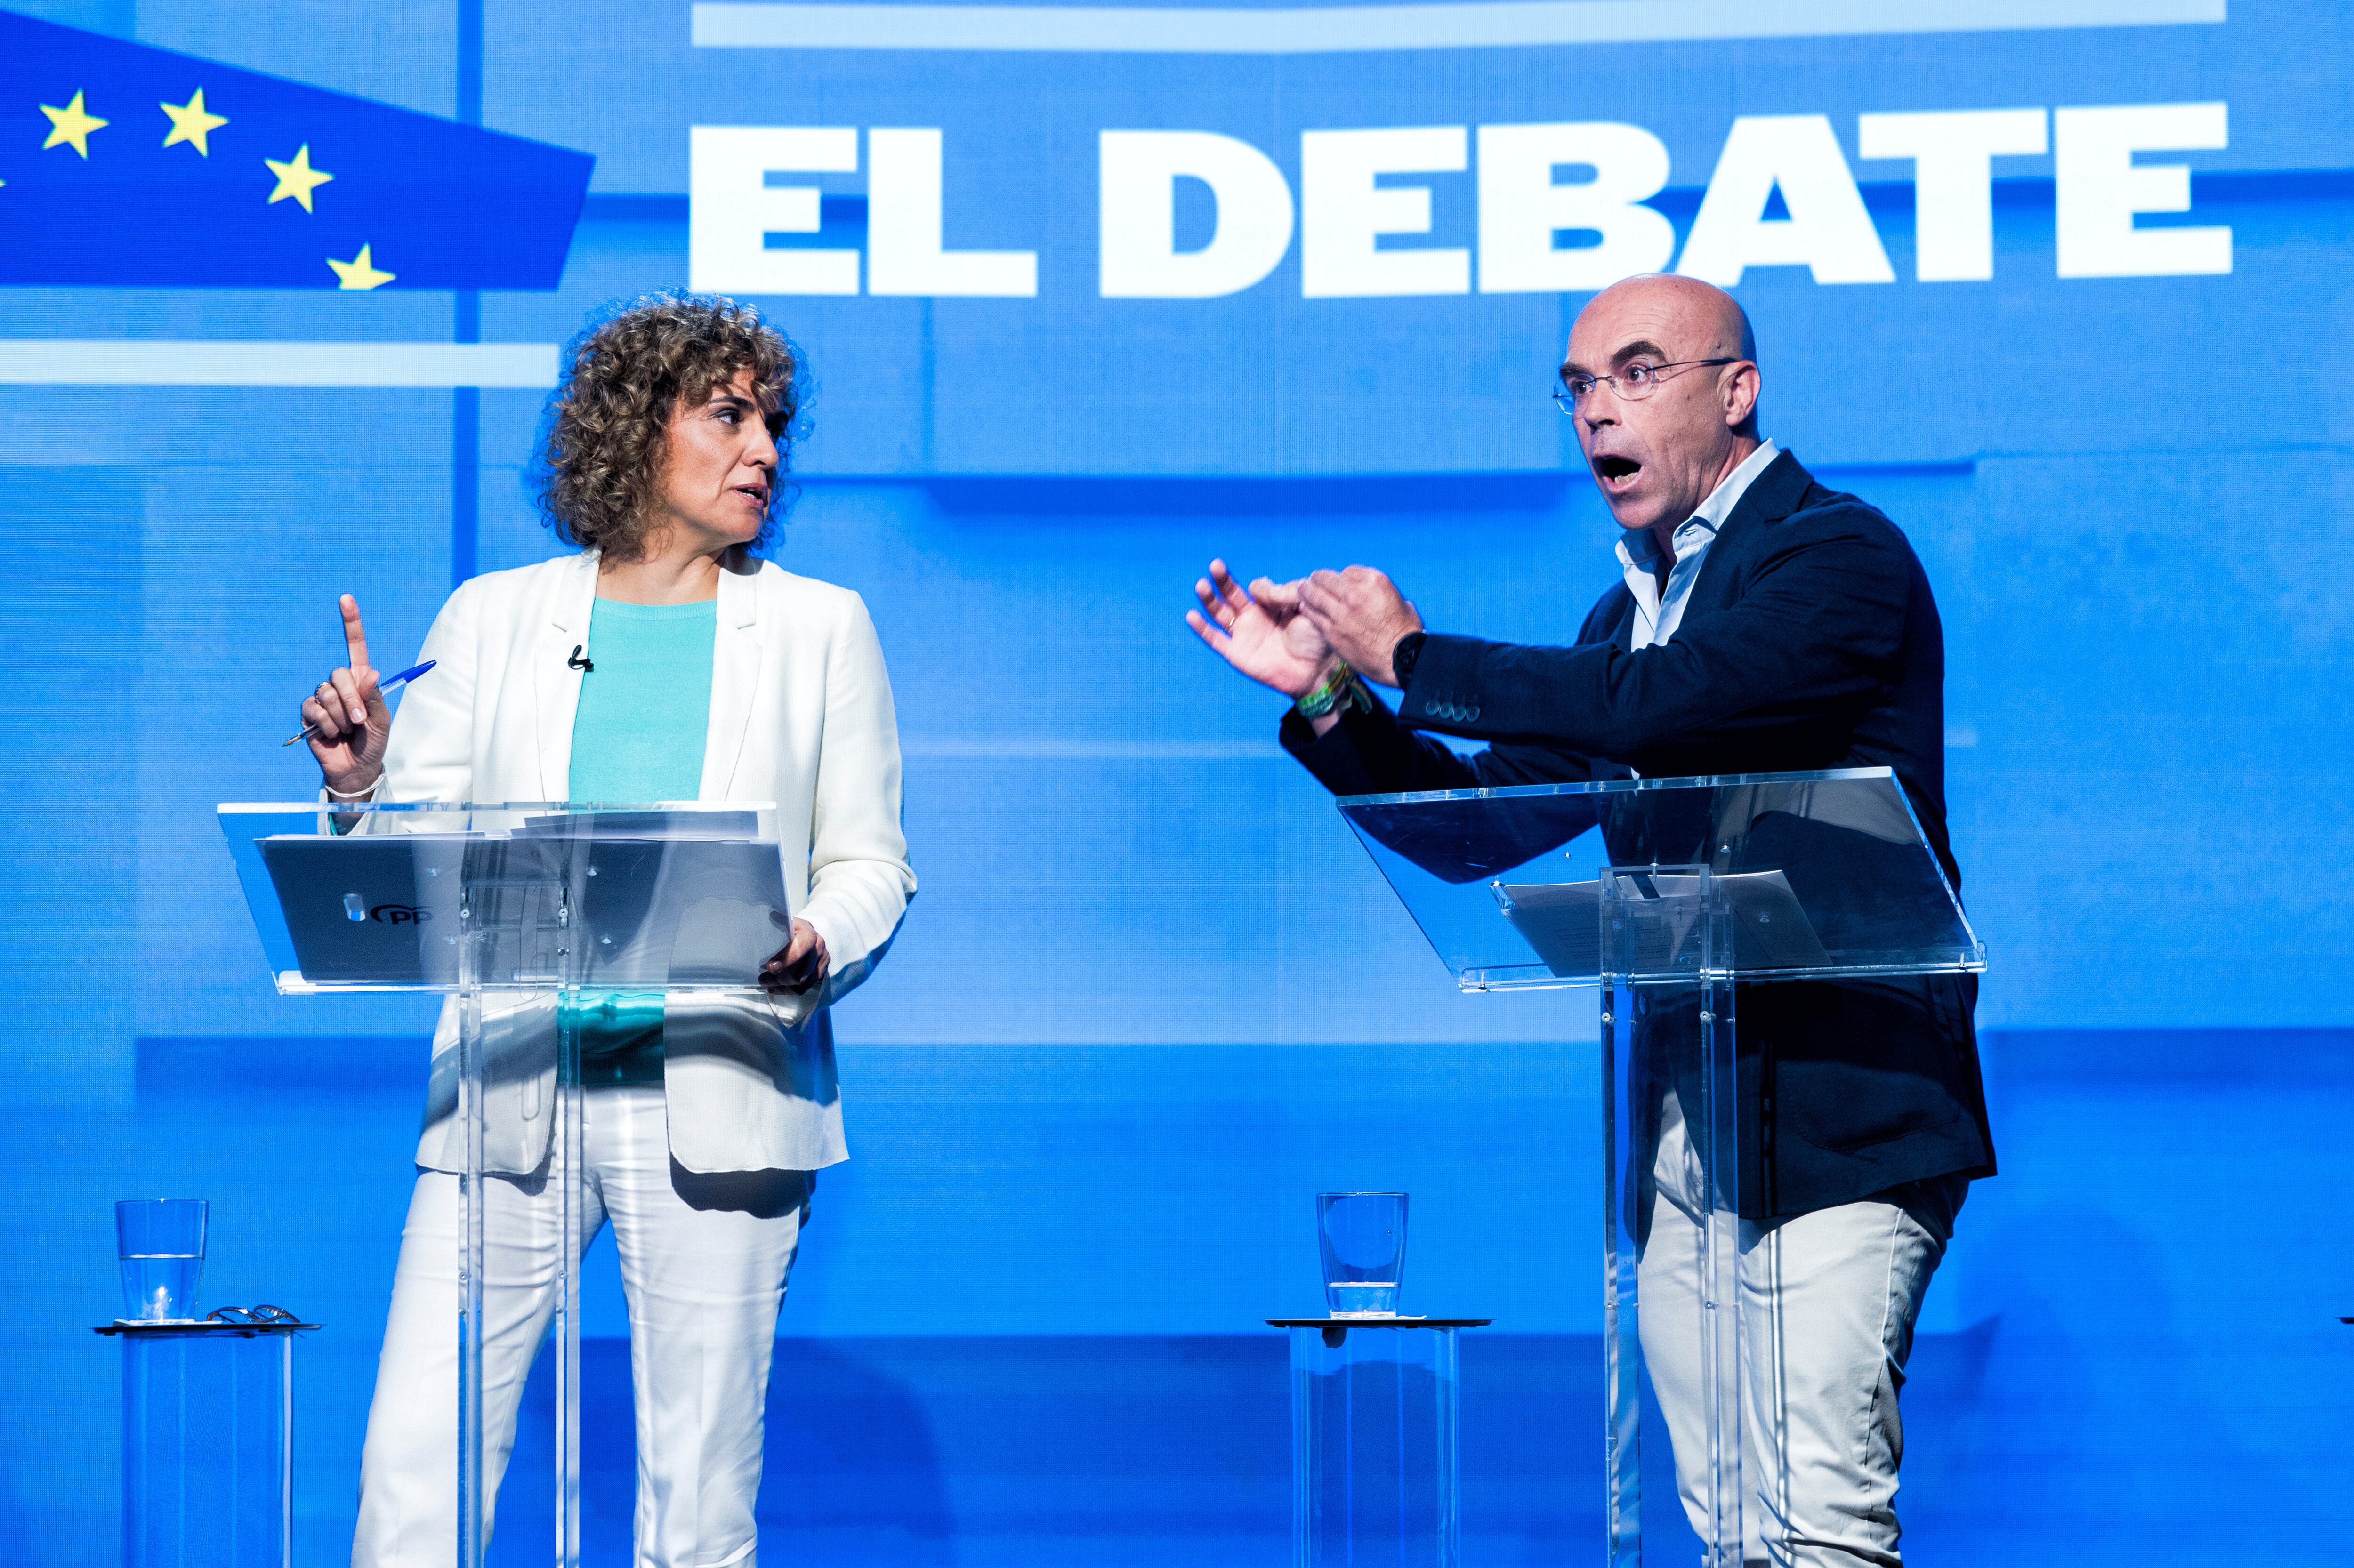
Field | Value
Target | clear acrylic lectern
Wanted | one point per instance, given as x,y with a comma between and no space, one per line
515,909
1663,892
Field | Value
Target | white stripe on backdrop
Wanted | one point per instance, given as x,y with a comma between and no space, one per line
199,361
1332,29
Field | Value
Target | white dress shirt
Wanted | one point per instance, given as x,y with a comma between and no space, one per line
1657,613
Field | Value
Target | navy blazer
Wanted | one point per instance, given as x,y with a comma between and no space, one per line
1810,640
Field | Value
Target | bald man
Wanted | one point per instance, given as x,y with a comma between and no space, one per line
1762,624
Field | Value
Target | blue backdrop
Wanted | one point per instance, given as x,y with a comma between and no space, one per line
1152,995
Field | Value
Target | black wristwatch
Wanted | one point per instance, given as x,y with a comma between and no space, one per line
1403,657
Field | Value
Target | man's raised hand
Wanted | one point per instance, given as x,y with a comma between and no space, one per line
348,715
1265,633
1361,615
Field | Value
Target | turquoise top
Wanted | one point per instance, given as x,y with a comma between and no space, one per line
637,737
646,706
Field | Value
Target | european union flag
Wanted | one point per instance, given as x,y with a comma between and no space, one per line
130,167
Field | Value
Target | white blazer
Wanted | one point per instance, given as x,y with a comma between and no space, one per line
801,715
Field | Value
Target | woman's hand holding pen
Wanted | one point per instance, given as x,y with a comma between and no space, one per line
347,716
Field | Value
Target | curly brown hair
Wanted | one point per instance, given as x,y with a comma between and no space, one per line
605,433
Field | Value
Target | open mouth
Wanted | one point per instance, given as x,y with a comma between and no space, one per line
1615,473
759,496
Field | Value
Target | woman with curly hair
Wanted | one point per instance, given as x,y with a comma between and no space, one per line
663,661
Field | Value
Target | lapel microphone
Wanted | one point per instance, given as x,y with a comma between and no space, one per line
577,661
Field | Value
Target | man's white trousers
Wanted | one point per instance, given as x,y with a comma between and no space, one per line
1828,1301
703,1263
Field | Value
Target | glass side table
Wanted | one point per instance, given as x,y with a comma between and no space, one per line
1374,1415
207,1461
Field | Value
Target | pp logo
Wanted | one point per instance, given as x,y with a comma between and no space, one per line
401,915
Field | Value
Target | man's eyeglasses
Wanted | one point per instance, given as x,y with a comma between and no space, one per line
1633,381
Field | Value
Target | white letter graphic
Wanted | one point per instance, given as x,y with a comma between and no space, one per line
1521,208
730,210
1827,230
1953,179
2100,188
1139,258
1342,211
903,229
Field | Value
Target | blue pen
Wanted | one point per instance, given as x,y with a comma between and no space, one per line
402,679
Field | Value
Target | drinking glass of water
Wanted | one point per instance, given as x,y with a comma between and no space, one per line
162,1245
1362,1238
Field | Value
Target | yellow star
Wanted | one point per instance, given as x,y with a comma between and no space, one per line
296,177
359,273
191,124
70,126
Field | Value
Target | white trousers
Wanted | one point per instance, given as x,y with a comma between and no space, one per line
703,1263
1828,1301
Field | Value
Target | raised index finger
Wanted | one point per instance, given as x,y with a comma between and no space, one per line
355,637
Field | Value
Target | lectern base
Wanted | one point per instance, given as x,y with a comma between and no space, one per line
1373,1422
208,1466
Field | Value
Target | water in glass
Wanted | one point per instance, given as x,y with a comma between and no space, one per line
1362,1298
161,1288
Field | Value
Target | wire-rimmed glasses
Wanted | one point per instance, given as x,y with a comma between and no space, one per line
1636,380
262,1316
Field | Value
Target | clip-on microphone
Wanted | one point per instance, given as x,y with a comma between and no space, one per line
578,662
